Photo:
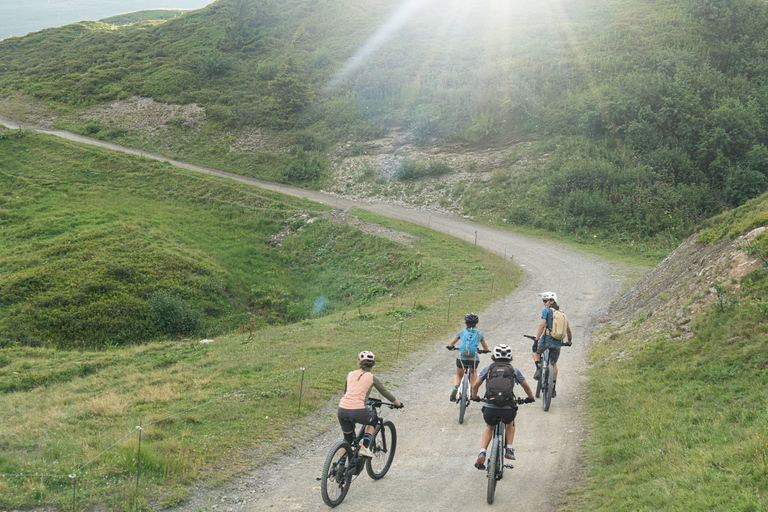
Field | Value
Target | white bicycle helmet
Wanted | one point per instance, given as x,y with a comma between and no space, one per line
548,295
501,353
367,357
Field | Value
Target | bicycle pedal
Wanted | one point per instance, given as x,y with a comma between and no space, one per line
510,466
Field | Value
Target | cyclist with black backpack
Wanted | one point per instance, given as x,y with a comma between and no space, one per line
470,338
550,334
500,378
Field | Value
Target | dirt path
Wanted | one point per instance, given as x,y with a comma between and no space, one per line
433,468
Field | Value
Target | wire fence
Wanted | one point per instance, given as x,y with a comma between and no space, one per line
397,325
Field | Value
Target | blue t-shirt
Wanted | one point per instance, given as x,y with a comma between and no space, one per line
546,314
480,339
519,379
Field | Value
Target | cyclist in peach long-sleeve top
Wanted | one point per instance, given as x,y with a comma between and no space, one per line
352,407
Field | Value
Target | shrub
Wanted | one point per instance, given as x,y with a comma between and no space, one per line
213,64
305,167
171,314
168,83
409,169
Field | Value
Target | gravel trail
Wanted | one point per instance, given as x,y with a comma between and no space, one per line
433,469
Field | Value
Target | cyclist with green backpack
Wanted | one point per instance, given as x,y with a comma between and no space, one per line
470,338
550,334
500,378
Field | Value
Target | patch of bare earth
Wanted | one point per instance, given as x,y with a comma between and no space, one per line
143,114
367,171
341,217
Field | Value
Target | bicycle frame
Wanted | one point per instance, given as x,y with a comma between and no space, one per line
465,386
546,382
495,461
358,462
462,397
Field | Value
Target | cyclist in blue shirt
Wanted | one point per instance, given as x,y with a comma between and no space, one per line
544,341
472,362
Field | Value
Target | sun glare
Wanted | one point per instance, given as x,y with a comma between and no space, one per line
459,32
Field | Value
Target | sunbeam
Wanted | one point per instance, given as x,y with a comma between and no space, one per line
398,19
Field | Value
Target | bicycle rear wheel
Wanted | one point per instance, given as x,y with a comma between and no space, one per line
464,398
383,445
335,481
548,379
493,468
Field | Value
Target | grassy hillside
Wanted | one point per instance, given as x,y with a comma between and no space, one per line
651,114
678,395
102,249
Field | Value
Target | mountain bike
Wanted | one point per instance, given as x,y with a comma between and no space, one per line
463,396
545,384
344,461
495,459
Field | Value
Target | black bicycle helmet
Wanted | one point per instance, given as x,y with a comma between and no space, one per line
471,318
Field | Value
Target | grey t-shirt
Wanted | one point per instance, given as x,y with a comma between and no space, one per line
519,379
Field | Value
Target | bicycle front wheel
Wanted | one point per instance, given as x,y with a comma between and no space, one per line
493,468
463,399
538,387
384,443
335,481
548,379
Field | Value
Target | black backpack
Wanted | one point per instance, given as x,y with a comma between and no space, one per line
499,383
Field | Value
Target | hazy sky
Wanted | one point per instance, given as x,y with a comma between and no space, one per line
19,17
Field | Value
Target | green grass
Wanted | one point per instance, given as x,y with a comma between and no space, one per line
735,222
71,215
103,249
682,424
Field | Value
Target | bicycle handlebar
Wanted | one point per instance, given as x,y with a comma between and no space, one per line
376,402
516,400
479,351
562,343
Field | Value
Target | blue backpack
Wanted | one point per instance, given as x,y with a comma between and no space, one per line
469,340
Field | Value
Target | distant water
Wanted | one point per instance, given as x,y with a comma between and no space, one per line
20,17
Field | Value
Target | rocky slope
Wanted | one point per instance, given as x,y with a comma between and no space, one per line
684,285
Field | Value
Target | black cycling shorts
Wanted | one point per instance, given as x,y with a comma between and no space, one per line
348,418
494,416
472,365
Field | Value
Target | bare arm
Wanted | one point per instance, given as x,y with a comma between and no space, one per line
527,389
453,342
540,330
475,387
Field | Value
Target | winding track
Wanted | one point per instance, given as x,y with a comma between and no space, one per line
433,469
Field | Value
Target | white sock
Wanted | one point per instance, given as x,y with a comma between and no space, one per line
509,447
482,451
